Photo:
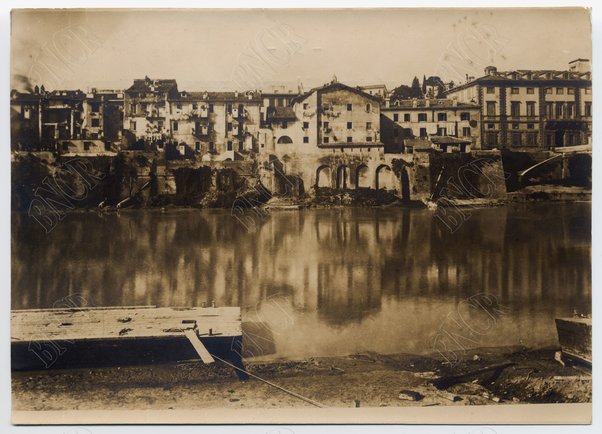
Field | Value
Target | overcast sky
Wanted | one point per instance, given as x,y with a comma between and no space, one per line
216,50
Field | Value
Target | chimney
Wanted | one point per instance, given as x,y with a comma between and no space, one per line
490,70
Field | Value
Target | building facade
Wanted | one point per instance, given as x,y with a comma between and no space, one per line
527,109
430,119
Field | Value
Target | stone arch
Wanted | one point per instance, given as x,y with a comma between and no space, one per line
324,177
284,140
385,179
342,177
362,176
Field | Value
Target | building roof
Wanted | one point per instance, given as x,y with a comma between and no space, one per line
217,96
153,85
419,143
448,140
526,76
433,81
333,86
422,104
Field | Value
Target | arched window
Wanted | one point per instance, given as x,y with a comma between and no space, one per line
368,107
285,140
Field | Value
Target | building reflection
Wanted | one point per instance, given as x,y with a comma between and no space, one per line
339,266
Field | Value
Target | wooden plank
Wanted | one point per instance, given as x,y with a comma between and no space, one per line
198,346
126,323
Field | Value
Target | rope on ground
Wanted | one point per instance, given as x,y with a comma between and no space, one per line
290,392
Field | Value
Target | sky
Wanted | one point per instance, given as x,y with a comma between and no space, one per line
255,49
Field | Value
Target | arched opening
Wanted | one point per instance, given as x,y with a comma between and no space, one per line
362,176
385,179
343,177
285,140
323,177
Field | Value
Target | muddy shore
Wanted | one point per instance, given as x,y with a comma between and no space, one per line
483,376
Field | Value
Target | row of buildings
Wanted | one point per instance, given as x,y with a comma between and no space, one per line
524,109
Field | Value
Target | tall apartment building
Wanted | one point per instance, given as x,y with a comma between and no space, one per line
532,108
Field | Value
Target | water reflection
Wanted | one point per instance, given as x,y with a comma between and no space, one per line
320,281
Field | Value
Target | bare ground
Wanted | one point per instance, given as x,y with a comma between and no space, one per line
479,377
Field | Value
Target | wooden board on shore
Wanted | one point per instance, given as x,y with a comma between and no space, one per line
122,323
575,338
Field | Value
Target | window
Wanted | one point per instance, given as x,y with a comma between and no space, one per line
178,106
531,139
95,107
349,107
491,126
530,90
211,147
441,131
491,139
588,90
466,131
559,109
515,126
368,108
570,91
422,132
305,125
326,139
305,106
369,139
326,124
570,139
515,109
530,126
284,124
241,145
86,146
406,117
133,125
547,91
560,91
305,139
421,117
229,108
175,126
349,125
464,116
570,110
516,139
395,117
197,146
514,90
195,107
211,108
530,108
368,125
229,145
160,124
441,116
549,110
588,109
491,108
229,126
349,139
95,122
490,89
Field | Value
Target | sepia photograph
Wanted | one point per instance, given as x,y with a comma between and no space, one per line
375,215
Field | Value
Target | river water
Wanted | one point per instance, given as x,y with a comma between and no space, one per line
323,282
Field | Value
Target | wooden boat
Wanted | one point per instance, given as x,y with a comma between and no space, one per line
575,338
118,336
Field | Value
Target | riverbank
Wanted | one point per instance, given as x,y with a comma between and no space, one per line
483,376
